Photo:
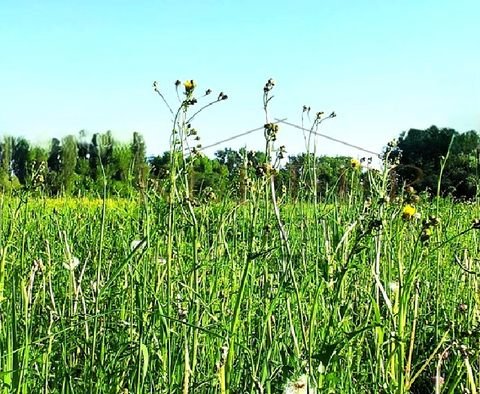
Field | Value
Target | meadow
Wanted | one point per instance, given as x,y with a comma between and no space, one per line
371,289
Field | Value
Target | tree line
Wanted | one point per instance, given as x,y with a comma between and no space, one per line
77,165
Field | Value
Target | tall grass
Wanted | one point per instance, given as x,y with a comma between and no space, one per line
350,293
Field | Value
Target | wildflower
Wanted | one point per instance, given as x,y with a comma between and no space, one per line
476,224
299,386
271,131
355,164
189,85
72,263
426,234
408,211
182,314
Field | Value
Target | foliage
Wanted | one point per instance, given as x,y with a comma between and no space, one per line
75,166
422,153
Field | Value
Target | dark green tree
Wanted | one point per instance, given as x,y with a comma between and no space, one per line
21,149
207,173
422,154
68,163
139,165
159,165
8,180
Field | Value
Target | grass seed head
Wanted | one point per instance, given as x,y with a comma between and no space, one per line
72,263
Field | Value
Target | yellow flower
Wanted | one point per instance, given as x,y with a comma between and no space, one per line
355,164
408,212
189,85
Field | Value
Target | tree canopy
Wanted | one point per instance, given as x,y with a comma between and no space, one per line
424,151
77,165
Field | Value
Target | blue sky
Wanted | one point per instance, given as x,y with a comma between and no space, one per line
382,66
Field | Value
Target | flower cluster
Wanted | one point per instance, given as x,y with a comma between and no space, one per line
269,85
264,169
411,195
271,131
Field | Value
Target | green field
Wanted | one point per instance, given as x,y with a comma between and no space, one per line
369,287
217,300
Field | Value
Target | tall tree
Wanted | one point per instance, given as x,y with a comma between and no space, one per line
20,152
37,166
7,179
69,154
139,165
422,152
6,153
55,155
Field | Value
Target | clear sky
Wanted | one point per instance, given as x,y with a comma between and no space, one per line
382,66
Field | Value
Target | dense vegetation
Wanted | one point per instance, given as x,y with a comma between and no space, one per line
78,166
362,286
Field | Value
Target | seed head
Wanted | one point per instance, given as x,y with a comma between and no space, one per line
72,263
415,198
409,190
